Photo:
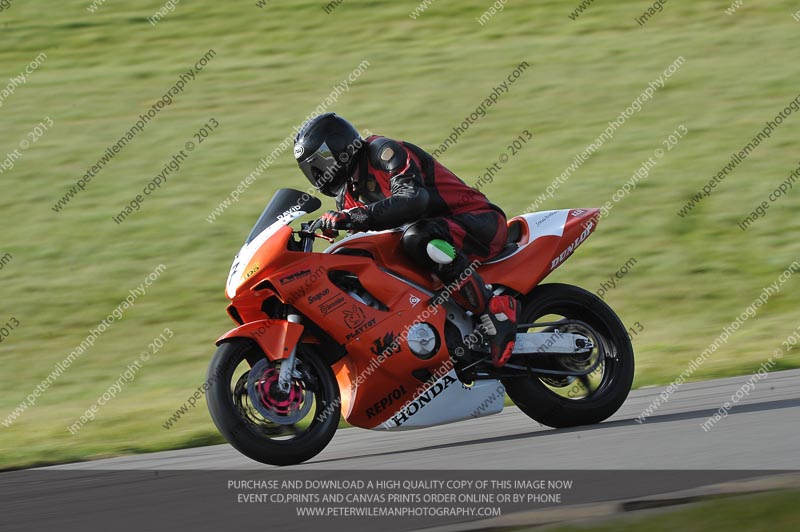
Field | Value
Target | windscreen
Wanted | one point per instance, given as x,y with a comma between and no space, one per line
283,203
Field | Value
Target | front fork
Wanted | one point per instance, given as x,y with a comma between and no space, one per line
287,367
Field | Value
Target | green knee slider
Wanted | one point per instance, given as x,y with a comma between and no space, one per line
441,251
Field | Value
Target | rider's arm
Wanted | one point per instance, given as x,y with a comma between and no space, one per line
409,198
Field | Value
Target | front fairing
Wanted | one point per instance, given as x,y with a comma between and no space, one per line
271,229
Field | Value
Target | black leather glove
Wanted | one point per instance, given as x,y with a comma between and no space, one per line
331,221
359,219
356,219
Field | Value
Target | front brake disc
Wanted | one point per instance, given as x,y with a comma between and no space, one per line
281,408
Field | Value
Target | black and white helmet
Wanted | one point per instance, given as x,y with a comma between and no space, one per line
325,149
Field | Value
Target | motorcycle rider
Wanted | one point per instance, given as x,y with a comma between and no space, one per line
380,183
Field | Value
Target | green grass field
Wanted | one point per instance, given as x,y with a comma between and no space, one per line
273,66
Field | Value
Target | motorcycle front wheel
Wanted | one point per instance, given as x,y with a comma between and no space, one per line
261,421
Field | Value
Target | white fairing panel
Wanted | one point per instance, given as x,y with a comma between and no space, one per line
546,223
448,400
246,253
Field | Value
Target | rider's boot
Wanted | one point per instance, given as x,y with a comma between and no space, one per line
500,323
498,314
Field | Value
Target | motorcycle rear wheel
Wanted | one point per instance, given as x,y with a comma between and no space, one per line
568,401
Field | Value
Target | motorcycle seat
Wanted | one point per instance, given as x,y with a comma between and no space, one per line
511,247
507,251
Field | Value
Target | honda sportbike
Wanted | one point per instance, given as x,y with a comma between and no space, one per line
358,332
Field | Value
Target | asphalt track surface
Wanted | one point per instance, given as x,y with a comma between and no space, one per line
761,432
615,462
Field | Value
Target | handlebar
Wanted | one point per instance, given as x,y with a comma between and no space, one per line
312,228
308,232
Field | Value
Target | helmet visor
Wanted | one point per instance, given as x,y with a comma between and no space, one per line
322,170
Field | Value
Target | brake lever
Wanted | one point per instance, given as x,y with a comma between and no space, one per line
324,237
311,231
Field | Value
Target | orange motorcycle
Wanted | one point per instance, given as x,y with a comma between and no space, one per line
358,331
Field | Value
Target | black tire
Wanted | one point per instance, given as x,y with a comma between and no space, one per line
253,440
539,401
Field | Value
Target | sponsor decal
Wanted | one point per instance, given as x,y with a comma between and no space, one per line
298,151
331,304
386,346
578,212
295,276
545,218
234,271
354,317
422,399
319,295
288,213
414,300
572,247
251,272
361,329
395,395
